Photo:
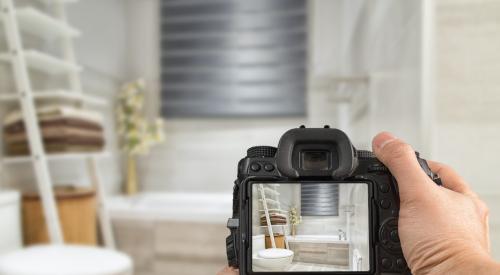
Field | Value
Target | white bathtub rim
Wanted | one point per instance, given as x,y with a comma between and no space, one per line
188,207
315,239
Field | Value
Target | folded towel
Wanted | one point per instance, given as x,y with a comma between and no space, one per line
273,222
67,141
23,149
54,131
275,214
54,112
276,218
18,127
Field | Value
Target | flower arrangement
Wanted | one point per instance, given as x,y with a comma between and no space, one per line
294,218
137,135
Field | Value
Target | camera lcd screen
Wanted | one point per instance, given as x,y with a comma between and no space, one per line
299,227
315,160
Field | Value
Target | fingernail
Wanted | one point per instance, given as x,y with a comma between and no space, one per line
382,139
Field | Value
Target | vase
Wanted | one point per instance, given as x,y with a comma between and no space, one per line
131,187
294,230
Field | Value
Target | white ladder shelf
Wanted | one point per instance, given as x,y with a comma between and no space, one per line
31,19
264,202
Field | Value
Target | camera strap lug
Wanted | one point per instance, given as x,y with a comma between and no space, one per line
233,223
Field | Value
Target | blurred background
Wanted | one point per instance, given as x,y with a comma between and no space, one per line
144,108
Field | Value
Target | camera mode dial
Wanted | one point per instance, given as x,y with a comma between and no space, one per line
261,151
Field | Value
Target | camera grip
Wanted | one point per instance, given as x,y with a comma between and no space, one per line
364,154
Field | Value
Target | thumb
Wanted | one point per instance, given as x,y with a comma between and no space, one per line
401,160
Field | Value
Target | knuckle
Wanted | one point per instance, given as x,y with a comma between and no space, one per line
484,210
480,206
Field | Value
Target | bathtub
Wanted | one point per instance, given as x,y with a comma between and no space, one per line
172,233
199,207
316,239
320,249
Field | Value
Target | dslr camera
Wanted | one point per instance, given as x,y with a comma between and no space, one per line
315,205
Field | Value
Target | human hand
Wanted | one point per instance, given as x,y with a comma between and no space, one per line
442,230
228,271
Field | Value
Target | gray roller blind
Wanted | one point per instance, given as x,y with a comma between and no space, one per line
319,199
233,57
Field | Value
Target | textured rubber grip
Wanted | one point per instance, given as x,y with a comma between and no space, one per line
364,154
261,151
232,256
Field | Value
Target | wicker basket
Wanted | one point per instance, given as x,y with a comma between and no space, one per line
279,241
77,214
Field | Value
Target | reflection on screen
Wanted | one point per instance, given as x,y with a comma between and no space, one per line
310,227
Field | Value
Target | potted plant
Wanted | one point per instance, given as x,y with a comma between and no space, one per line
137,134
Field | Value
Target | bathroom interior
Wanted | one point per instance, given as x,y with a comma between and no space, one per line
123,121
315,227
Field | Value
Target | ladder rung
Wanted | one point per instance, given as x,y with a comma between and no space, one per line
44,62
62,95
38,23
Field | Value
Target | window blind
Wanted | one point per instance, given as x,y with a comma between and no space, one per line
233,57
319,199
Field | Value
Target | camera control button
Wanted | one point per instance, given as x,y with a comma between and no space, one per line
255,167
384,188
394,236
401,263
385,204
386,263
388,235
269,167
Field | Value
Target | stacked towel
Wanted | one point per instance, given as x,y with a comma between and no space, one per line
63,129
276,219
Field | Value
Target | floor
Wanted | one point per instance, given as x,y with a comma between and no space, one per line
298,266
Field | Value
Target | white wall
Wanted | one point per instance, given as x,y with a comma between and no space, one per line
202,155
105,28
358,223
468,96
372,54
143,48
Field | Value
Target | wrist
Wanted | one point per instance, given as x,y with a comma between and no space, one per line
481,263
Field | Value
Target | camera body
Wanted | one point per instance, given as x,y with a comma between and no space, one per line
307,156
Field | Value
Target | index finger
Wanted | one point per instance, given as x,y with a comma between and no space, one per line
450,179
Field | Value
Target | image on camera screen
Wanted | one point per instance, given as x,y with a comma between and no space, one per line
310,227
